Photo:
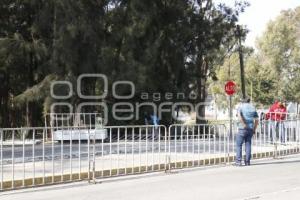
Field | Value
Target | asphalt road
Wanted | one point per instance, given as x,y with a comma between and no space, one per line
264,180
56,151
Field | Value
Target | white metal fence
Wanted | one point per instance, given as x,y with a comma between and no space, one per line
38,156
196,145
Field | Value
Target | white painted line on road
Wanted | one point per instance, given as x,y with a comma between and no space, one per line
259,196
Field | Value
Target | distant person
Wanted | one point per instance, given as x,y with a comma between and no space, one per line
147,119
277,114
155,123
263,127
262,116
271,113
154,120
248,121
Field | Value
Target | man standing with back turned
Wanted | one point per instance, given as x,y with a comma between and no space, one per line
248,121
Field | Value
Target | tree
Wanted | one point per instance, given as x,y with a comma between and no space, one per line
161,46
230,70
273,71
279,53
23,54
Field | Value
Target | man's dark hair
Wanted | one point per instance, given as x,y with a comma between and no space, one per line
245,100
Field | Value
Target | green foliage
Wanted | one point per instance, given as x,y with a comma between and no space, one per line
161,46
273,71
279,53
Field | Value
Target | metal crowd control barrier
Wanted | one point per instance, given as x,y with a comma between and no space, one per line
41,156
274,138
28,158
283,135
72,119
198,145
130,150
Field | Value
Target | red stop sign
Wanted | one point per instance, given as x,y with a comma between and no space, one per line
230,88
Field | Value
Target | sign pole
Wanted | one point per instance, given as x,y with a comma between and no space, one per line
230,90
239,32
230,115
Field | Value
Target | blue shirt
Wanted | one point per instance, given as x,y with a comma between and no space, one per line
249,114
155,120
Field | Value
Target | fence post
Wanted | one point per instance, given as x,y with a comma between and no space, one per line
297,134
89,161
168,155
94,157
275,151
1,157
228,145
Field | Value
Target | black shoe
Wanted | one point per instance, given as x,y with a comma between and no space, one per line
247,164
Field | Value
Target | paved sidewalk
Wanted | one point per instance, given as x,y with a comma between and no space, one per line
265,179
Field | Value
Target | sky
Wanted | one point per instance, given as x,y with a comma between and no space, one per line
259,13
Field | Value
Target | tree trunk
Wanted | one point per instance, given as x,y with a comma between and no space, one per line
201,88
30,83
4,102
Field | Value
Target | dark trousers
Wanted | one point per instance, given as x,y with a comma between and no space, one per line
244,136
